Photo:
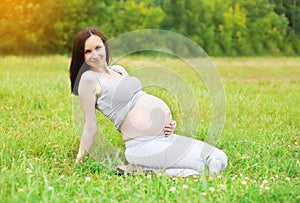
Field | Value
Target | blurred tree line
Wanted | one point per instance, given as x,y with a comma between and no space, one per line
220,27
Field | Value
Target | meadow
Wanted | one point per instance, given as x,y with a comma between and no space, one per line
39,139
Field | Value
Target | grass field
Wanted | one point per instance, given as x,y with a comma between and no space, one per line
39,140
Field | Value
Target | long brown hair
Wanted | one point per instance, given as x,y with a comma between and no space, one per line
78,67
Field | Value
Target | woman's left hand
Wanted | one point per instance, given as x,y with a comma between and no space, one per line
169,129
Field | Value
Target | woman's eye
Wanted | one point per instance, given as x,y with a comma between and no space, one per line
98,47
87,51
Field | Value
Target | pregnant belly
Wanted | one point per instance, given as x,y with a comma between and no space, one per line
147,118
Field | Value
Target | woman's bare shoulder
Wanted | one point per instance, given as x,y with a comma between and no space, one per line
89,77
89,82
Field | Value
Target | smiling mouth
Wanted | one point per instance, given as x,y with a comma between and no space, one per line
96,61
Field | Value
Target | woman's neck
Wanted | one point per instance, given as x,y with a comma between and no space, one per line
101,69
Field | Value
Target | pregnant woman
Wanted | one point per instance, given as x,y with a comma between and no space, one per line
144,121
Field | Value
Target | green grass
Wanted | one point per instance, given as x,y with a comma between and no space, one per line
39,140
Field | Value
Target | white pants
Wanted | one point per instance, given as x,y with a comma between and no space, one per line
178,155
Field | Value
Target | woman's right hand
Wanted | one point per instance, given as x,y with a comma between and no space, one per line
81,154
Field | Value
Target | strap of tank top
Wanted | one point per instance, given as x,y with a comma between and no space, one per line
119,69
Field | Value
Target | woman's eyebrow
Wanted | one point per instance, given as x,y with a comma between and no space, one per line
100,44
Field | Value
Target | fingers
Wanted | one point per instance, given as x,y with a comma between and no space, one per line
79,159
81,154
169,129
173,123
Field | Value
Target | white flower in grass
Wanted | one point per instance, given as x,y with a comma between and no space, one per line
245,157
203,194
149,176
222,187
233,178
21,190
289,146
265,182
50,188
172,189
276,176
28,171
87,179
211,189
287,178
246,178
263,186
185,187
244,182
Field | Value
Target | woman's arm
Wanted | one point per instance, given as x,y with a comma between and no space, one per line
88,95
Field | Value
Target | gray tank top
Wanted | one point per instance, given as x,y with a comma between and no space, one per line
118,97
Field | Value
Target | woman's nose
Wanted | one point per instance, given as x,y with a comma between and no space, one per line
94,54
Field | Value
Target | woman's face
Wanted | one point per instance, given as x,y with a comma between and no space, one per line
94,52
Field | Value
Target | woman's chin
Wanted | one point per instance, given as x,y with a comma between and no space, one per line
96,65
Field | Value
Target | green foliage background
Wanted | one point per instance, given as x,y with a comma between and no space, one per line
220,27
